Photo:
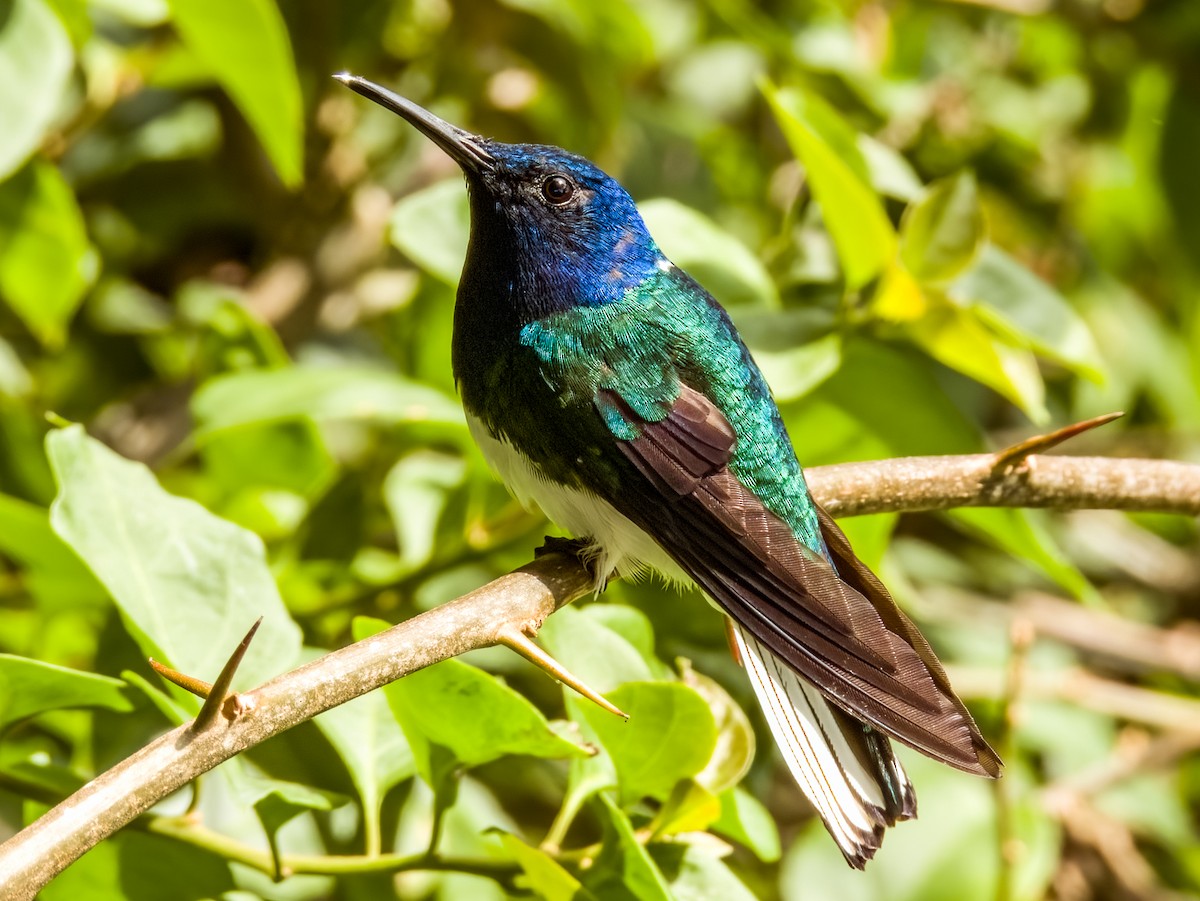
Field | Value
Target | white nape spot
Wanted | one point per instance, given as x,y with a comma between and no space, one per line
665,265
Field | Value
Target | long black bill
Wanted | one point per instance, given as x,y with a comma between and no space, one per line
463,147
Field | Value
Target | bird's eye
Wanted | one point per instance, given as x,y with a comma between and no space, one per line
558,189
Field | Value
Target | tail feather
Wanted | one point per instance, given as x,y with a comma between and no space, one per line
847,770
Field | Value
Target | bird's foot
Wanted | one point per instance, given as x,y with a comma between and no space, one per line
582,549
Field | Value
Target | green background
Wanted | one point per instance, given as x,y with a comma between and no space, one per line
942,228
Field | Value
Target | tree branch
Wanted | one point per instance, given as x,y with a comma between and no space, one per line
521,601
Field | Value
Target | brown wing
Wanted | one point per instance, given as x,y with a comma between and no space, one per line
845,635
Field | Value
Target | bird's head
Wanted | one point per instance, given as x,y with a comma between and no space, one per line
549,225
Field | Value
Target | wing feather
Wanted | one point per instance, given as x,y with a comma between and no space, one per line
838,627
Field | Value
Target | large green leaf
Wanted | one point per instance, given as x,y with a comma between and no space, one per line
708,253
270,395
470,713
431,227
372,746
46,262
744,819
623,870
670,735
29,687
35,63
545,876
245,44
1030,307
853,212
956,337
941,233
188,583
416,491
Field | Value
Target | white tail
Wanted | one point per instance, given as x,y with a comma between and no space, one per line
856,785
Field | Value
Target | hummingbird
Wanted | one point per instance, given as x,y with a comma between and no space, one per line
606,386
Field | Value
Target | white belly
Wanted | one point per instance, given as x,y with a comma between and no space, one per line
617,545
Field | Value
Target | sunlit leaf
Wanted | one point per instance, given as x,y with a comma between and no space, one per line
35,63
745,820
865,239
46,262
245,45
1031,308
374,749
544,875
954,336
29,687
416,491
270,395
623,869
697,873
941,233
670,736
712,256
431,227
468,712
188,584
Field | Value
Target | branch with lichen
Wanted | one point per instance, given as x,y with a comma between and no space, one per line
515,605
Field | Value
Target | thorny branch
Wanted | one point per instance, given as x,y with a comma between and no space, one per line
520,601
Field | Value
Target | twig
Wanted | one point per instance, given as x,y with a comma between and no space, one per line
523,599
910,484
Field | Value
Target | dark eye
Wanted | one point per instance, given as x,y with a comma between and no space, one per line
558,189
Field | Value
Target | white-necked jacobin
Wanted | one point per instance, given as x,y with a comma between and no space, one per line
605,385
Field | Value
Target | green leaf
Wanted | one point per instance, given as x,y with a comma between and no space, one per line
278,803
1031,308
135,866
188,584
374,749
260,396
623,869
670,735
600,656
29,687
854,214
947,854
416,491
940,235
697,873
709,254
46,262
431,228
744,819
796,371
545,876
1023,534
470,713
244,43
35,64
689,808
957,338
603,658
51,568
734,751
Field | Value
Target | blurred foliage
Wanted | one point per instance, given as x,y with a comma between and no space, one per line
941,227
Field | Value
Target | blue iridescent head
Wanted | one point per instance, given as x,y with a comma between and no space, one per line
549,230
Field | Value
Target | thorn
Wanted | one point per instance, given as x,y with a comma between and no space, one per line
218,694
198,687
531,651
1016,454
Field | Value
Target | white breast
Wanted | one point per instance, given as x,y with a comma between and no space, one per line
616,543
